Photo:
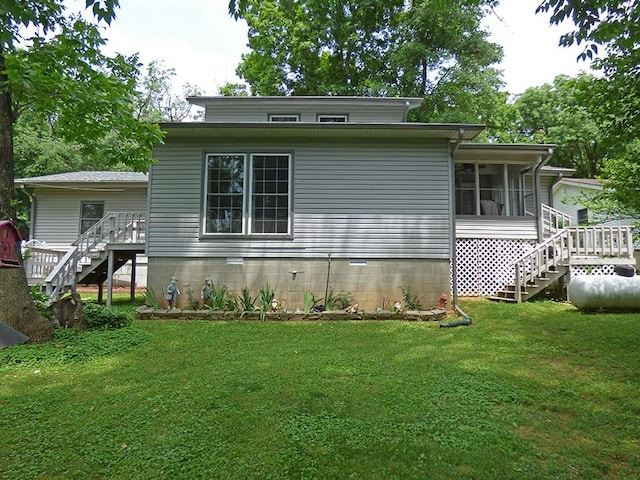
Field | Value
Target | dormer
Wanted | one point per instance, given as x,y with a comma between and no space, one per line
306,109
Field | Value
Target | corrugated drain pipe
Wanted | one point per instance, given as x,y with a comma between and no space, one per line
454,261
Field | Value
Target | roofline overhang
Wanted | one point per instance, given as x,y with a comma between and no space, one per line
279,101
526,153
315,130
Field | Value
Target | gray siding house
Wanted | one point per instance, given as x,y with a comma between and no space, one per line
304,192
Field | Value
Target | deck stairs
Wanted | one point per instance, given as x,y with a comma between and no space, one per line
87,261
565,245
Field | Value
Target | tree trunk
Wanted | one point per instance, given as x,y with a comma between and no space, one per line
17,309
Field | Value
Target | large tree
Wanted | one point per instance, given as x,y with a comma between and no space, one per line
566,113
609,32
51,66
431,48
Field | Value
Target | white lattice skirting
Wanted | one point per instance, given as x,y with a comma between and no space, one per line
485,265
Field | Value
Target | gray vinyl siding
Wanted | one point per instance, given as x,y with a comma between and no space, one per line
378,201
249,113
57,213
523,228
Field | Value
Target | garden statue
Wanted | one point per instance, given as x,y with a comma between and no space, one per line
397,307
442,302
206,294
172,293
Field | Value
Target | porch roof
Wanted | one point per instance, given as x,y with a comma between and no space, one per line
513,153
320,131
85,177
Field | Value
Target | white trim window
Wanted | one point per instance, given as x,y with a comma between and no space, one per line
90,214
248,194
282,117
323,118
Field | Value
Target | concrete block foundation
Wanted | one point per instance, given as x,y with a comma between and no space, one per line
374,283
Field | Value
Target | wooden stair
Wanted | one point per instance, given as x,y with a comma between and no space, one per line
530,289
551,259
118,235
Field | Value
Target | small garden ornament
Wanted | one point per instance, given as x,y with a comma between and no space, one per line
171,295
206,294
442,302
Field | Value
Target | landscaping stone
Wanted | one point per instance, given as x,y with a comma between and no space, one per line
146,313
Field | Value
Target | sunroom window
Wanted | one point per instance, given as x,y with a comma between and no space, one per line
489,190
248,194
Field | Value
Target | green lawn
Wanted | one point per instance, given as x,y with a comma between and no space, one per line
532,391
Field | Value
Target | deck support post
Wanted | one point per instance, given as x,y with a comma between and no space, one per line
132,291
110,277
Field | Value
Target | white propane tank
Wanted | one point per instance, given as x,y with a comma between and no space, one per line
605,292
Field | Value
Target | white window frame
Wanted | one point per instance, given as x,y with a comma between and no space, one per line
284,117
332,118
248,195
93,220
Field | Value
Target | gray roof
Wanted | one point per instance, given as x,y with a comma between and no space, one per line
86,177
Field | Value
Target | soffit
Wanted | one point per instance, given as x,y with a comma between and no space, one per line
318,131
501,152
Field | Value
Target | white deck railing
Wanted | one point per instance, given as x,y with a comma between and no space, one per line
587,244
40,261
554,220
118,227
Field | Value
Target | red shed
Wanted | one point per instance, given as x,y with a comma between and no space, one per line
9,240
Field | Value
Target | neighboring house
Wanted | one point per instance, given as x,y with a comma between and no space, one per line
567,193
65,206
342,193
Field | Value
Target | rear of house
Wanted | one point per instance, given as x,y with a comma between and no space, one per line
303,193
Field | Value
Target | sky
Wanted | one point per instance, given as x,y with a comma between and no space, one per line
199,40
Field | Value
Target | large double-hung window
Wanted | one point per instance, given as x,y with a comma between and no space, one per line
248,194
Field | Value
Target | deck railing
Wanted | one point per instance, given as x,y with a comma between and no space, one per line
587,244
554,220
114,227
40,261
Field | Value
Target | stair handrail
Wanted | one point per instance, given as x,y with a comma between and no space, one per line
547,254
63,274
123,227
554,220
597,241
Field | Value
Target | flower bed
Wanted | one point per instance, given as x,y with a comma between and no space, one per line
147,313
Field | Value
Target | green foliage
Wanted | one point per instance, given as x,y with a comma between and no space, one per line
247,302
411,299
233,90
265,297
192,302
101,317
338,301
71,345
367,400
41,300
218,297
569,114
150,298
608,31
372,48
309,301
156,99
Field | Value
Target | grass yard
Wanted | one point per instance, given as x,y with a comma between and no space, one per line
532,391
